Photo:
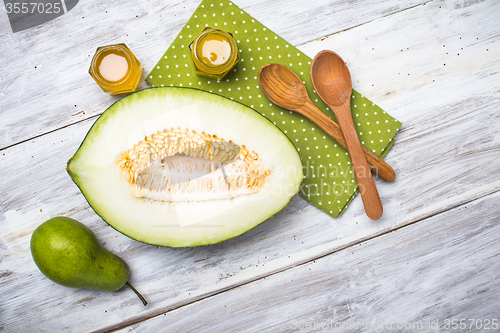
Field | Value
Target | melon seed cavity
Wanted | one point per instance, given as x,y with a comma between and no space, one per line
184,165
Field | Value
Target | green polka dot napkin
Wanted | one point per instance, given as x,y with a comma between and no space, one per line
329,182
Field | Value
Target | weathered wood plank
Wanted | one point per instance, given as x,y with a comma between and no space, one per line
46,84
417,279
443,157
417,61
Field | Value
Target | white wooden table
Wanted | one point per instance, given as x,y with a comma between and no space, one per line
432,260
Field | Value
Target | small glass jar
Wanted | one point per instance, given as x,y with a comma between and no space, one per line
214,53
115,69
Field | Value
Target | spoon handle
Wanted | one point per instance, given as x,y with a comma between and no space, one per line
378,165
367,188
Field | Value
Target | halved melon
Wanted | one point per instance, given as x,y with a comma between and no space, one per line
181,167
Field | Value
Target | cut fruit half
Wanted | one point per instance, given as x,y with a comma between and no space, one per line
181,167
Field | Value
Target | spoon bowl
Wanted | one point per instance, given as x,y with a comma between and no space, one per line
284,88
332,81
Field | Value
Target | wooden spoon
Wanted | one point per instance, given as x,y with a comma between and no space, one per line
284,88
332,81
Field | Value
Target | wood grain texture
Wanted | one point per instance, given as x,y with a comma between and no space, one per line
367,188
380,167
418,60
284,88
398,282
332,81
35,99
445,156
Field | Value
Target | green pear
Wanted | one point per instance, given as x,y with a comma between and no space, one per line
68,253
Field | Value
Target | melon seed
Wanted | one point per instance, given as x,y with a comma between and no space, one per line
159,168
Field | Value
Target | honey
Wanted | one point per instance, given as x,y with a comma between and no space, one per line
214,53
115,69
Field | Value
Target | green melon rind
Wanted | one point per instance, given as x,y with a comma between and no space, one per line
83,167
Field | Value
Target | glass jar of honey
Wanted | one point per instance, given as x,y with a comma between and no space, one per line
214,53
115,69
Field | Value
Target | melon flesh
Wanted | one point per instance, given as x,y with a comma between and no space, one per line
181,167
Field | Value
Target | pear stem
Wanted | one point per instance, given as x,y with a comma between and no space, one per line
137,293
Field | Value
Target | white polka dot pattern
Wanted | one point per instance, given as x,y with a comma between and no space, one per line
329,182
